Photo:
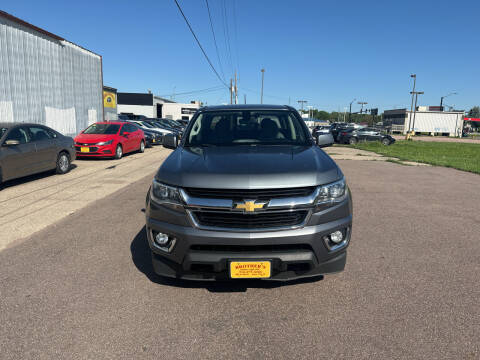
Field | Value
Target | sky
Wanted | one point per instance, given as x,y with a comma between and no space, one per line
325,52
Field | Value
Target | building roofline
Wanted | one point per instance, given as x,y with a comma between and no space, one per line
40,30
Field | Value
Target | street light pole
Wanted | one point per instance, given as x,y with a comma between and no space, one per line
261,96
443,97
302,102
414,76
350,113
416,93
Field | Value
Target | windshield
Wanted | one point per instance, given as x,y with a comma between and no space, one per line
224,128
146,124
107,129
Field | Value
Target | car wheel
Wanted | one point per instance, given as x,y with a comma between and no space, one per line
352,141
118,152
385,141
142,146
63,163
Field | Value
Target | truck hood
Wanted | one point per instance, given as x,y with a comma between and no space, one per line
248,167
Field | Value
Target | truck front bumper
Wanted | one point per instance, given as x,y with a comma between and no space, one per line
205,254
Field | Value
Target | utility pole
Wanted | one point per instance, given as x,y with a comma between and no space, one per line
302,102
350,113
414,76
416,93
244,98
261,94
236,89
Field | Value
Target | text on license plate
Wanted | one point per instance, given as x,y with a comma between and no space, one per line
250,269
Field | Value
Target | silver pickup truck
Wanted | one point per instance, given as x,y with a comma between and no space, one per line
248,193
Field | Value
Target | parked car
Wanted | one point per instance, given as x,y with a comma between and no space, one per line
27,149
248,193
335,129
353,136
109,139
162,125
146,125
184,122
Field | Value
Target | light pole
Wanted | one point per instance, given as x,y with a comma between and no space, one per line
416,93
261,94
443,97
414,76
310,107
350,113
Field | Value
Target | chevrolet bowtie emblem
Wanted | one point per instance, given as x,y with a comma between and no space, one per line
249,205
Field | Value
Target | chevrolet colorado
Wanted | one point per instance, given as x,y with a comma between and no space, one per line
248,193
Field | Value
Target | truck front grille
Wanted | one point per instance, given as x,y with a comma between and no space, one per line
263,220
256,194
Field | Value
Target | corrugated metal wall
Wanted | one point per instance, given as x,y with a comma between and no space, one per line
43,79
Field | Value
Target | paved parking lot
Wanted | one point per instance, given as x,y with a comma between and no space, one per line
30,204
84,287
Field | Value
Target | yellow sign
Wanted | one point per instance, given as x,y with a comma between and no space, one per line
250,269
109,99
249,206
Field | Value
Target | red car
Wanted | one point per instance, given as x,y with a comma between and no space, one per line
109,139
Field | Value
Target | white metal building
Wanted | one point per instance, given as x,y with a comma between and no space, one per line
153,106
435,122
46,79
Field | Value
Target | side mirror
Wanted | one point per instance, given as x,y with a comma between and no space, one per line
11,142
324,140
170,141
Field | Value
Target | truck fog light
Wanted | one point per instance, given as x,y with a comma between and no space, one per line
336,237
161,239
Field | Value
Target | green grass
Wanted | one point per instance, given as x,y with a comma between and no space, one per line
460,156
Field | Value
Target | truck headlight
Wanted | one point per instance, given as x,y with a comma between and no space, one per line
332,193
162,193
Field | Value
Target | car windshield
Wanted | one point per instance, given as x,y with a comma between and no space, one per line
146,124
250,127
107,129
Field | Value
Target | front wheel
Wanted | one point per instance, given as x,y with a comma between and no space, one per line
63,163
142,146
118,152
386,141
352,141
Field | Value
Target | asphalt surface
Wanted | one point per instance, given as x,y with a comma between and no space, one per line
83,288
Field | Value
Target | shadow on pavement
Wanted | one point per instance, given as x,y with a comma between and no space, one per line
29,178
141,257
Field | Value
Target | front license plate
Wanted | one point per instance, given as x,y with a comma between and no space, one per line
153,140
85,149
250,269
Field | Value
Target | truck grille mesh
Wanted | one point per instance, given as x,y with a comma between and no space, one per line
254,194
263,220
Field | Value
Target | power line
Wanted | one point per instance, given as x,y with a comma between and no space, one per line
236,33
211,89
226,35
200,45
215,41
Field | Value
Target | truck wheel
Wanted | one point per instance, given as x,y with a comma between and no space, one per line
352,141
63,163
118,152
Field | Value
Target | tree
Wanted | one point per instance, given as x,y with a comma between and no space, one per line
475,113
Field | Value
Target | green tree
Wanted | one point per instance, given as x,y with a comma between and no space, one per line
475,113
